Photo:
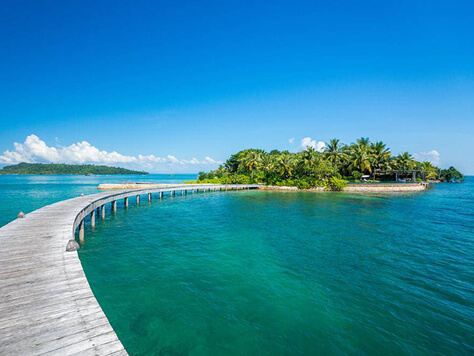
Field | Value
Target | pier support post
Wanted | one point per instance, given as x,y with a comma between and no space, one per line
149,196
126,202
93,218
138,200
102,212
81,232
160,194
114,206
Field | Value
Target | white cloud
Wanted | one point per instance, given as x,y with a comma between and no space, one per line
173,159
431,156
36,150
151,158
291,140
13,157
84,152
209,160
193,161
39,147
308,142
320,145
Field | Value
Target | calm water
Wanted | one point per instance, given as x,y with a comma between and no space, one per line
28,193
268,273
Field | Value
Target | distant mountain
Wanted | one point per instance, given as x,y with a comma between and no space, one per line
61,168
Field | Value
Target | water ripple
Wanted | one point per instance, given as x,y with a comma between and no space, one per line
268,273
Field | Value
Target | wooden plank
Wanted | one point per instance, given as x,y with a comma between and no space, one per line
64,320
46,304
70,342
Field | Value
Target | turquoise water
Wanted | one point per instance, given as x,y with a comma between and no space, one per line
31,192
274,273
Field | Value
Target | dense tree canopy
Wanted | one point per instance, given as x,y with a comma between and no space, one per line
332,167
61,168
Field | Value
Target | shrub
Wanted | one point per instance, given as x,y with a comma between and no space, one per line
225,180
335,184
205,181
239,179
356,175
258,177
303,184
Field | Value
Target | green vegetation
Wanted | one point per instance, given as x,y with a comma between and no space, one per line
449,175
60,168
332,168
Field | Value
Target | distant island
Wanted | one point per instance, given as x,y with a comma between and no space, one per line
61,168
332,169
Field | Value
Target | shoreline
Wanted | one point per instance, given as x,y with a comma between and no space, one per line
360,188
364,188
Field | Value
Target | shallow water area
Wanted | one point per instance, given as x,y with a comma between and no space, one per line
289,273
30,192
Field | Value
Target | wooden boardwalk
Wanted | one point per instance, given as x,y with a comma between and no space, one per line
46,304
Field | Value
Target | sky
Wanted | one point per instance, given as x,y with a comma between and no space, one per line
178,86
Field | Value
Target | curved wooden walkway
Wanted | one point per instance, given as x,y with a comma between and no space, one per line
46,304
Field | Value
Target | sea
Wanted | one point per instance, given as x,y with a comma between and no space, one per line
276,273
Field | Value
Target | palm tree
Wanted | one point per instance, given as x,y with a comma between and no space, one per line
381,155
253,160
335,152
308,159
363,141
268,162
428,169
449,175
405,162
361,158
285,165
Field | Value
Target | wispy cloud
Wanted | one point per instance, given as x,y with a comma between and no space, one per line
431,156
291,140
33,150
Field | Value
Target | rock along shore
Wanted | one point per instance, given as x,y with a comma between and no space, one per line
363,187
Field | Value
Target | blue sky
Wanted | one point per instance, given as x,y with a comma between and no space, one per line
177,87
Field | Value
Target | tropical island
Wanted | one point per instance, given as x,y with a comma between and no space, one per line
333,168
61,168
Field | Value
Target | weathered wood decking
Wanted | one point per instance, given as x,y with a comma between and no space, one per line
46,304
